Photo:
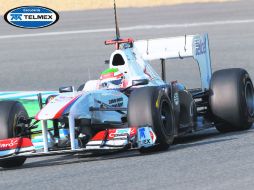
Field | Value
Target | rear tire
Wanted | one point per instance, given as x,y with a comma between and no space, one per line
10,114
232,99
151,106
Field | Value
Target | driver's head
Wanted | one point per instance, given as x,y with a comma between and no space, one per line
111,78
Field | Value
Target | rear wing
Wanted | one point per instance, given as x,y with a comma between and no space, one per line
195,46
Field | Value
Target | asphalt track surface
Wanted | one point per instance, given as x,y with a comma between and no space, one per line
207,160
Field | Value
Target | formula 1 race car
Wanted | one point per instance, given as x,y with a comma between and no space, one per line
130,105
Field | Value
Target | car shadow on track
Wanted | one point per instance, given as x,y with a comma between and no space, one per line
204,138
199,139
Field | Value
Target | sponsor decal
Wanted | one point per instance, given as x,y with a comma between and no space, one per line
117,102
112,133
63,98
200,46
9,144
117,133
120,133
142,133
144,137
14,143
31,17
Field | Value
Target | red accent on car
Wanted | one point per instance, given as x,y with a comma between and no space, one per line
36,116
152,136
133,132
102,135
150,77
15,143
111,134
117,42
60,112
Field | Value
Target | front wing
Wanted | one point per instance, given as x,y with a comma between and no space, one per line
110,139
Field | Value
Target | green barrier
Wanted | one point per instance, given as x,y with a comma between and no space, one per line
31,106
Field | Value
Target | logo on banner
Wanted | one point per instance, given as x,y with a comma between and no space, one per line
31,17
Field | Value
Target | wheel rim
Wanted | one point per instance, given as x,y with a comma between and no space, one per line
166,117
249,98
17,120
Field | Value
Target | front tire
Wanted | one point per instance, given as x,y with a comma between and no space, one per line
11,113
151,106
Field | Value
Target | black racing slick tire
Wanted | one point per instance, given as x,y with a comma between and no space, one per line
232,99
151,106
11,112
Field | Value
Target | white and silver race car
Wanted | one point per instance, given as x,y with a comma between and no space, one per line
130,105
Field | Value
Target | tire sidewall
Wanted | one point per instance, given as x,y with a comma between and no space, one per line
16,113
227,101
144,108
163,136
244,113
9,110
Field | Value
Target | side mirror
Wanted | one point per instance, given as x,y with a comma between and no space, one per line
140,82
66,89
106,62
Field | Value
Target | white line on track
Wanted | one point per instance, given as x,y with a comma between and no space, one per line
139,27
